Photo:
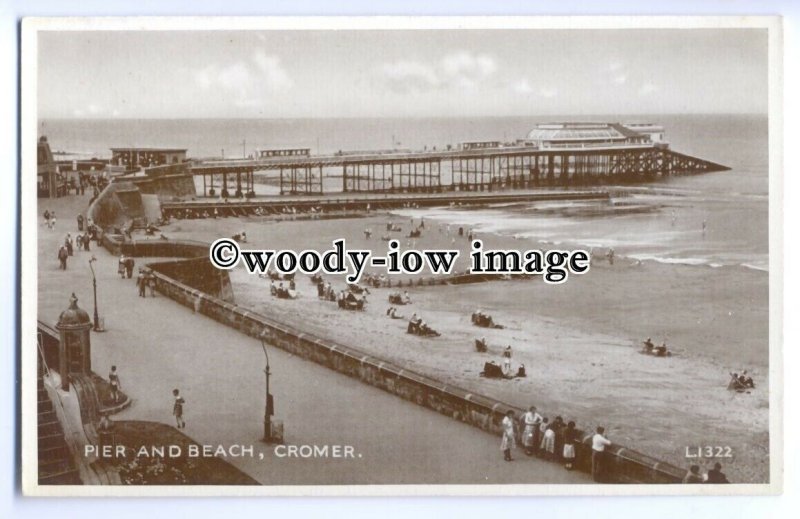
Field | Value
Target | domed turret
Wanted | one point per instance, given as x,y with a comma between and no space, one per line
75,347
73,316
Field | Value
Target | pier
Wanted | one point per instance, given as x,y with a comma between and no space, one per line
518,167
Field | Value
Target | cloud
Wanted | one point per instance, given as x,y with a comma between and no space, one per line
460,70
548,92
245,82
620,79
614,66
410,76
523,86
272,72
647,88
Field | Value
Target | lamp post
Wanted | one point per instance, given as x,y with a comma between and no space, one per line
94,287
268,399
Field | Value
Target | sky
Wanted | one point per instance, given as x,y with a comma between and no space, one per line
401,73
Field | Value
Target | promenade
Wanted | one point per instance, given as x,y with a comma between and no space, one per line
159,345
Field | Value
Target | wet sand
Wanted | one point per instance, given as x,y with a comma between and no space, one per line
578,340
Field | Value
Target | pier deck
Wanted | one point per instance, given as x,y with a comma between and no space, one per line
504,167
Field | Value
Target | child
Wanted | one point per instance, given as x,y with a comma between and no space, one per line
177,409
113,378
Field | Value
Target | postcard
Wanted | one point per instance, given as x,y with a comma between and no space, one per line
401,256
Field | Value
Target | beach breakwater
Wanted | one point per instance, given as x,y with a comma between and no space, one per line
623,465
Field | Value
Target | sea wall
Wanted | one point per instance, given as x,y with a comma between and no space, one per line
118,203
623,465
167,187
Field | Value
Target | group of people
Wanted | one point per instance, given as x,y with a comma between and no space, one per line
552,440
492,369
125,266
396,298
282,292
146,279
416,326
741,382
713,476
483,320
50,219
651,349
237,211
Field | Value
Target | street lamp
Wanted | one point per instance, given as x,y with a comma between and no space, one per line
94,286
268,404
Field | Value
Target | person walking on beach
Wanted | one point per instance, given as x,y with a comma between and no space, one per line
531,421
68,243
113,378
177,409
507,361
509,442
47,217
599,444
705,224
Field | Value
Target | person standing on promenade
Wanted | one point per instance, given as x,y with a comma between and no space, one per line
151,283
509,441
113,378
177,409
68,243
47,217
141,282
531,420
570,439
62,257
599,444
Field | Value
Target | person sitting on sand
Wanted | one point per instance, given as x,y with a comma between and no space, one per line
736,384
480,345
406,298
661,350
748,380
648,346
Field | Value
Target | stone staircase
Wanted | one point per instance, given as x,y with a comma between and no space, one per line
55,463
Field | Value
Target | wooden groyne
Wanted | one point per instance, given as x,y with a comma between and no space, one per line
338,204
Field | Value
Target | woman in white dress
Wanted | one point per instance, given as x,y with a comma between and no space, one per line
531,420
509,442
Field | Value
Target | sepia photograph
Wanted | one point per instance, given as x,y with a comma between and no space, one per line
401,256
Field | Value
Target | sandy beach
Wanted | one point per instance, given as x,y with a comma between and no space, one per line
579,341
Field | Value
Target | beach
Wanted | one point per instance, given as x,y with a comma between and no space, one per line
579,341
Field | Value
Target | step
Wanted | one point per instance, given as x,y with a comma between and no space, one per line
67,477
54,466
49,429
58,452
50,440
47,417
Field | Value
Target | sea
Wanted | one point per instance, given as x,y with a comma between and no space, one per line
717,220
